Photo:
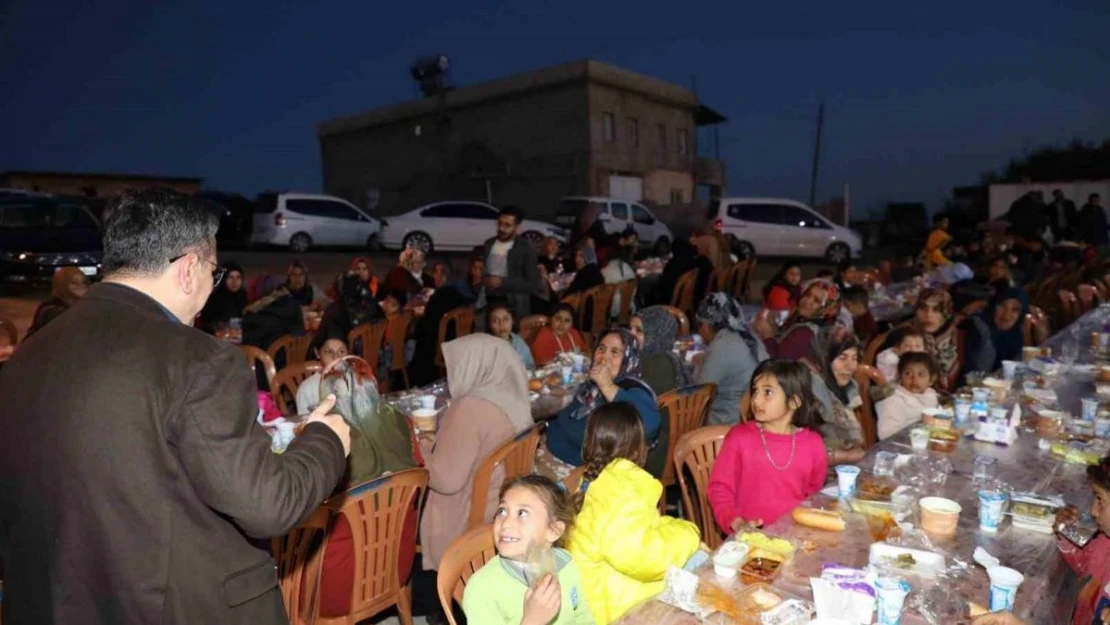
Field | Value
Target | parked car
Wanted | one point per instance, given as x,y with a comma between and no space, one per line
616,215
781,227
235,212
303,220
448,226
41,233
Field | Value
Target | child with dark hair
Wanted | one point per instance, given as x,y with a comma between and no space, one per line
558,336
917,372
1092,562
620,540
902,341
776,458
856,302
533,516
499,323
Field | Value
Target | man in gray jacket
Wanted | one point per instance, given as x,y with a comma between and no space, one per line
512,270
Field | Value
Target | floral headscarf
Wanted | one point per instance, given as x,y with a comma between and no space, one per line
827,312
660,331
412,259
589,396
721,311
941,344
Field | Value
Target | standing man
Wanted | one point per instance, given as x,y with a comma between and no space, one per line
132,470
511,265
1091,223
1060,216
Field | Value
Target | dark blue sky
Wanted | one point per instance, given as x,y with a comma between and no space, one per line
918,99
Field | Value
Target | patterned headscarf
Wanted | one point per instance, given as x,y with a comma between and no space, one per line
589,396
412,259
829,306
660,331
721,311
941,344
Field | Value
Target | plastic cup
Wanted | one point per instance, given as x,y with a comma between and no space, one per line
424,419
984,468
846,476
884,463
1009,368
1090,408
1029,354
1004,587
567,372
1102,428
579,362
891,595
962,409
427,402
990,510
919,438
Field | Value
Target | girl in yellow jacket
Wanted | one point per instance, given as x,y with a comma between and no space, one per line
620,542
934,246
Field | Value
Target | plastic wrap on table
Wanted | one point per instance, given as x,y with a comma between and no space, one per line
941,603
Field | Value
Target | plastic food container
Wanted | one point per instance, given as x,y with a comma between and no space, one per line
915,561
762,565
729,557
943,439
1034,513
939,515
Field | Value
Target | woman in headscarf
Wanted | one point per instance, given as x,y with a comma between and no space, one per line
297,284
781,292
657,330
489,405
587,274
67,286
614,376
273,315
818,308
408,276
834,363
970,299
363,269
712,247
684,258
933,317
1004,317
227,301
734,352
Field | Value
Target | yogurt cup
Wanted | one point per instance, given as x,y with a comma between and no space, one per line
919,438
1102,428
846,476
939,515
1009,368
1004,586
962,408
424,419
427,402
891,596
727,560
990,510
1090,408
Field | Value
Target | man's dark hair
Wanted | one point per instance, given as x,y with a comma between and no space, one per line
825,273
905,361
1093,197
143,230
854,295
448,271
517,214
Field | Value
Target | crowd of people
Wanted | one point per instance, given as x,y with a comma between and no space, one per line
190,476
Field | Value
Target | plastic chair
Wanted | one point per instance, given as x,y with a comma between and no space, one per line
1069,308
871,354
573,481
627,291
299,566
745,282
696,451
287,381
530,325
464,557
7,328
398,327
745,405
686,409
256,358
865,377
377,511
1087,295
517,456
462,319
683,297
365,341
597,301
718,280
294,349
680,317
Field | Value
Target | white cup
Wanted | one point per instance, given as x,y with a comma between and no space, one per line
919,438
1090,408
427,402
990,510
846,476
1009,368
891,595
1004,587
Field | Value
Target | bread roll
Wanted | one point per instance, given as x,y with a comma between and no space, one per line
818,519
535,385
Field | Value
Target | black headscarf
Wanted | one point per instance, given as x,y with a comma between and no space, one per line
223,304
828,347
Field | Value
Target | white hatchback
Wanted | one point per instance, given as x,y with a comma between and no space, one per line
456,226
616,215
303,220
781,227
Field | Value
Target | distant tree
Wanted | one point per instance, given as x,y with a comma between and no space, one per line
1076,161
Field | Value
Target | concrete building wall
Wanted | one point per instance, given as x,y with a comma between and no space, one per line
659,183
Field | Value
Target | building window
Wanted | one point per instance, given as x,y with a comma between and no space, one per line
662,138
676,196
607,130
682,142
633,131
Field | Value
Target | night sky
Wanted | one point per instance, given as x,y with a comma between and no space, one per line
918,99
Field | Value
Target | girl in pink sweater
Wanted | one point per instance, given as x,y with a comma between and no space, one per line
775,459
1092,562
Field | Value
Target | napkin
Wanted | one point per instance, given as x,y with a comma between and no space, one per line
832,602
985,559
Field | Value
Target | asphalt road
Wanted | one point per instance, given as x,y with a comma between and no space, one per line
323,266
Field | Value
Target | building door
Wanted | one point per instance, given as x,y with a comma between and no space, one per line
626,188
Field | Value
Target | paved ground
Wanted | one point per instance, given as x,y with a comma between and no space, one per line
19,307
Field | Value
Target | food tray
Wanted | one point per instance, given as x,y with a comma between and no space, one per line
927,563
762,566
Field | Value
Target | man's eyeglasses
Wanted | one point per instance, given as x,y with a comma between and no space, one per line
217,273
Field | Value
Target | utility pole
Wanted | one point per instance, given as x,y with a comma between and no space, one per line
816,154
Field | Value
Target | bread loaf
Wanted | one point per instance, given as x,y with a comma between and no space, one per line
818,519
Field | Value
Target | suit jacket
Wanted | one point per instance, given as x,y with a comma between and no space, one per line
132,472
523,279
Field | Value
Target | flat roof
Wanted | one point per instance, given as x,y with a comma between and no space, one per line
81,174
587,70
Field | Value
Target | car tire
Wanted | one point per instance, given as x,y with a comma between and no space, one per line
742,249
300,243
420,240
373,243
837,252
535,238
662,246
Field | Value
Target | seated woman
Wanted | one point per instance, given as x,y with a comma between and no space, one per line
66,287
780,294
363,269
619,268
471,286
933,317
835,360
656,330
308,393
298,286
499,323
734,352
587,275
489,406
1004,318
408,276
558,337
817,310
684,259
614,376
971,298
227,301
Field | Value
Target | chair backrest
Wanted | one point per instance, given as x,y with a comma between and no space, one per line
365,341
744,284
517,456
685,409
299,565
575,301
285,383
7,329
377,511
871,354
398,327
255,358
745,405
683,297
530,325
1069,308
588,339
681,319
292,349
866,376
627,290
1087,295
695,453
735,278
718,280
597,301
462,320
885,271
463,558
574,480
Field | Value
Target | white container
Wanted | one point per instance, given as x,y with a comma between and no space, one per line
427,402
919,438
927,563
729,558
1090,408
1004,586
846,476
990,510
1009,368
891,595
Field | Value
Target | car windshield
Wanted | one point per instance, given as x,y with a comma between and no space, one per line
41,215
569,210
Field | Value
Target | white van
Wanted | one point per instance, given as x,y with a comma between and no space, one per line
781,227
305,220
616,215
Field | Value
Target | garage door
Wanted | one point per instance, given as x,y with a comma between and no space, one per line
626,188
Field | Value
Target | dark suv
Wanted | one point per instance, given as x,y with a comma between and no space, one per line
41,233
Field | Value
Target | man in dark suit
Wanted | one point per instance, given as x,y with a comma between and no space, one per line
133,474
512,271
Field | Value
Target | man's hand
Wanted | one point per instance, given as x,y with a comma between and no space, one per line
333,421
